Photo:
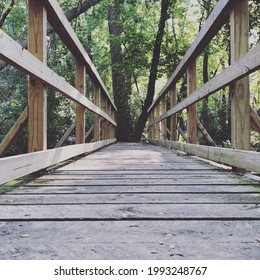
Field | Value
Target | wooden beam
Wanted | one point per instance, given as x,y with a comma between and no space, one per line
108,125
182,133
239,158
164,122
173,121
14,54
255,121
240,101
218,17
14,132
192,109
80,109
246,65
63,28
96,117
157,126
89,132
66,135
205,134
22,165
37,95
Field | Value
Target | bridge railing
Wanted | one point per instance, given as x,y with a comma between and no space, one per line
33,62
243,63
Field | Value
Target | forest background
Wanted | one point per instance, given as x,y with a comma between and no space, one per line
135,46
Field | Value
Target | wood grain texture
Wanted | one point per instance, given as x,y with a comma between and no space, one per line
14,132
132,201
61,25
80,110
238,158
246,65
22,165
218,17
37,94
16,55
240,100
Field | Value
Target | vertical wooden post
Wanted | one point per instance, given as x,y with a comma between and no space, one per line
192,111
240,102
114,119
149,127
37,97
152,127
108,124
80,110
157,125
96,117
102,121
173,129
164,122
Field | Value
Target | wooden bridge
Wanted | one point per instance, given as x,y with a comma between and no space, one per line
131,200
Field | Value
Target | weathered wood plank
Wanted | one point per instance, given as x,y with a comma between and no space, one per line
66,135
14,132
37,94
238,158
240,100
129,211
139,189
61,25
22,165
130,240
108,220
144,182
255,121
205,134
80,110
128,198
246,65
192,109
20,58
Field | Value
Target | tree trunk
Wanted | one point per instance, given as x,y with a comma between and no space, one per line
121,95
153,72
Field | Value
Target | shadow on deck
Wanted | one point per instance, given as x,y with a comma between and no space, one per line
132,201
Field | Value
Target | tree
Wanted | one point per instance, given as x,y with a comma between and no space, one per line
120,91
153,72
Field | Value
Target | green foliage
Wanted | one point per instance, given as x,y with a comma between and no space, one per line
138,22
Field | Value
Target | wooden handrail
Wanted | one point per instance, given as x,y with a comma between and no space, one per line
239,158
215,21
62,27
246,65
243,63
33,63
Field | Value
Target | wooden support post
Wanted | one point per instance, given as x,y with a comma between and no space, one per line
255,121
192,111
14,132
66,135
96,117
108,125
240,102
153,126
37,97
173,128
149,127
80,110
164,122
114,118
157,125
205,134
102,121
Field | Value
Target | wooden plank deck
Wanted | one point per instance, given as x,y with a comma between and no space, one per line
132,201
